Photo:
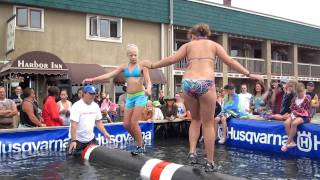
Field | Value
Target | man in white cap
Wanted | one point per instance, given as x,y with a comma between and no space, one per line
84,115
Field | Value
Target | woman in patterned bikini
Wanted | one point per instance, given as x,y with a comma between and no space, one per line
199,87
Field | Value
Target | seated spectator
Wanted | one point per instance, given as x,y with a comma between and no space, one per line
300,113
157,115
245,98
8,110
64,106
29,116
257,104
314,99
276,97
148,112
169,109
231,109
290,88
50,112
220,95
182,111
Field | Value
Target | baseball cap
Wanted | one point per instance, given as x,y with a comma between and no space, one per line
310,83
89,89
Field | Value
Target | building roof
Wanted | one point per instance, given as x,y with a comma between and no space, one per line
242,22
189,12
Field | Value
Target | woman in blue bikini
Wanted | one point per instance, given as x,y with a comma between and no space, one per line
136,93
199,87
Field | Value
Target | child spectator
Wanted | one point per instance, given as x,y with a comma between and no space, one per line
300,114
182,112
285,111
157,115
147,113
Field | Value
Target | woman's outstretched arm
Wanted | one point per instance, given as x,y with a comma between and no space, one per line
179,55
105,76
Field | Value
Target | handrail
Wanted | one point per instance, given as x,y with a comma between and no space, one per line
247,58
284,62
308,64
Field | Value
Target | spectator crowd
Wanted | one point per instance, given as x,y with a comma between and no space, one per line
287,101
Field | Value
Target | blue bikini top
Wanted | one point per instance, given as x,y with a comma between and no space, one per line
135,72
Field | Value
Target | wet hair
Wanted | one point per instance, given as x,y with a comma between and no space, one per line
200,30
53,91
300,87
27,92
262,88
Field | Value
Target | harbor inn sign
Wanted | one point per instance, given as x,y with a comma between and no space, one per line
36,62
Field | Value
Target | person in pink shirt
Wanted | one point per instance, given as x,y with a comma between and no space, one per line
300,113
50,112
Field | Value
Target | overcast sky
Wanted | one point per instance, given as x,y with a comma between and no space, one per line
307,11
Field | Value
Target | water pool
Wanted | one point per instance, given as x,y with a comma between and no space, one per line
231,161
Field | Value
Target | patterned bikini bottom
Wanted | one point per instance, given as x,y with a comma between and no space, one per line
196,88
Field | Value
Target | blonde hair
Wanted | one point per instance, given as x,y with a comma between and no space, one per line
293,84
300,87
130,46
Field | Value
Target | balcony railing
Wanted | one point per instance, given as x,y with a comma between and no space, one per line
308,70
182,65
254,65
281,68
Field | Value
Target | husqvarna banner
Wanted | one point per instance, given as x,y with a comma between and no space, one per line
270,136
56,139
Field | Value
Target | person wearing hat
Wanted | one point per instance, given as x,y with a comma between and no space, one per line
157,115
169,109
84,115
136,100
314,99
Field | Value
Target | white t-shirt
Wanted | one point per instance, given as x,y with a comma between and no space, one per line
245,100
157,114
86,116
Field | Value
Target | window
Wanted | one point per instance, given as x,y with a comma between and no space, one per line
103,28
29,18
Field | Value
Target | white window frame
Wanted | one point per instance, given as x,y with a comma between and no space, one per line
98,38
28,27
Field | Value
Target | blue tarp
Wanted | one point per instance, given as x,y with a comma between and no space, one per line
56,139
270,136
